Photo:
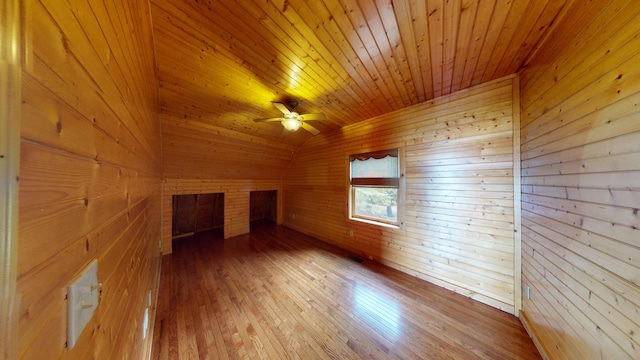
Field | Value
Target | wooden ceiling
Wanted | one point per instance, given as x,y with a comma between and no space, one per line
221,63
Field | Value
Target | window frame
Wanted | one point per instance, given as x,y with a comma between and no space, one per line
378,183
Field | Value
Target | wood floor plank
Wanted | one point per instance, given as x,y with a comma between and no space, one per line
278,294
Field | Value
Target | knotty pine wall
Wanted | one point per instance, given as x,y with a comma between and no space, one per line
193,150
90,184
581,188
459,226
237,201
200,158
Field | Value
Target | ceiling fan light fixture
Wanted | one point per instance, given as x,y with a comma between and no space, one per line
291,124
292,120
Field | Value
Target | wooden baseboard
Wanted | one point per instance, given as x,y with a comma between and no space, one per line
526,322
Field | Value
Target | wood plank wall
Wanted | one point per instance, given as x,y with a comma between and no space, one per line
581,186
199,158
90,185
459,229
236,202
193,150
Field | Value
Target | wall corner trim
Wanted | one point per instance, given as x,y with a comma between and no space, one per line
10,46
517,197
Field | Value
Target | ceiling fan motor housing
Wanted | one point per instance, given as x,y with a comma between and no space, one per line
292,103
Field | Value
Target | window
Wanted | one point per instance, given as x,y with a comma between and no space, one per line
375,186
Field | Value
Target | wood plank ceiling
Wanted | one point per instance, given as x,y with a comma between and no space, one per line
221,63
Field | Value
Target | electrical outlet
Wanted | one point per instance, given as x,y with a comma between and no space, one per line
351,232
83,296
527,291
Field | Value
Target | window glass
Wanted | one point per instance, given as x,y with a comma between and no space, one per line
375,184
376,203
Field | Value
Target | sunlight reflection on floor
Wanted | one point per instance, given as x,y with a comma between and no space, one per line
382,314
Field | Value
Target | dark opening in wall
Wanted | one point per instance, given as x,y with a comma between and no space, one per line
195,213
264,205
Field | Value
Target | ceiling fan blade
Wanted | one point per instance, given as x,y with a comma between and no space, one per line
268,119
281,107
305,117
310,128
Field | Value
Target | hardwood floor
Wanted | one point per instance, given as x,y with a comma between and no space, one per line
278,294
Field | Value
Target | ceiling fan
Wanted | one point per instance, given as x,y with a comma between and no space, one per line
291,120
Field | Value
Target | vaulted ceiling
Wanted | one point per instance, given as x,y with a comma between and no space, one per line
221,63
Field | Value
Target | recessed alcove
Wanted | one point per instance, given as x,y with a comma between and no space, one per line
193,213
263,205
